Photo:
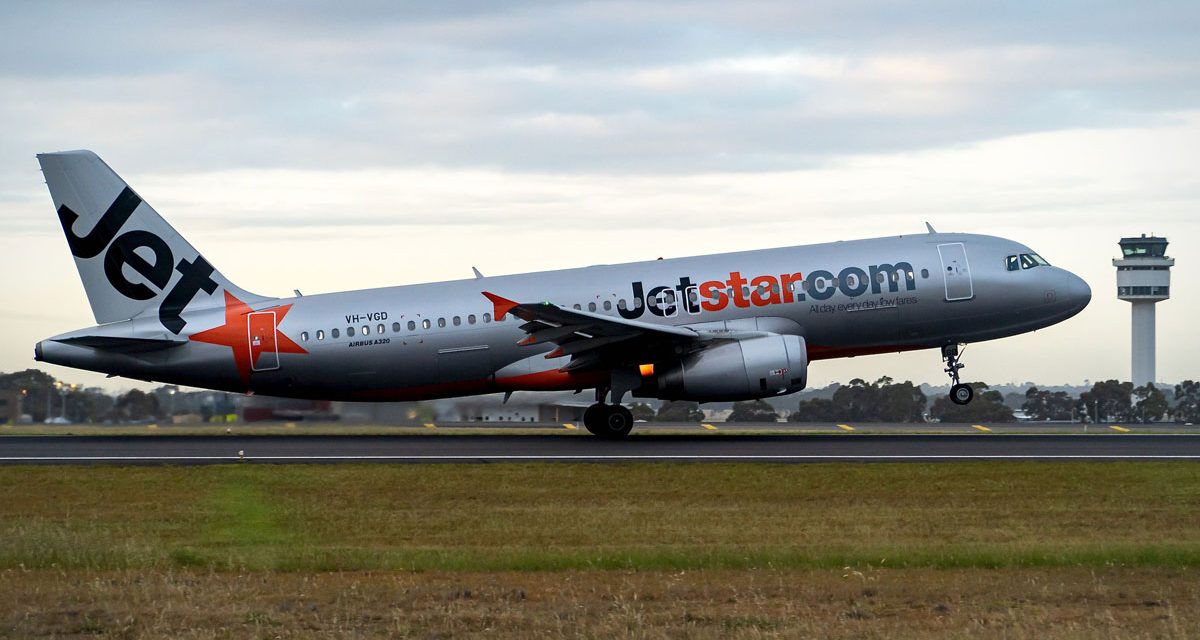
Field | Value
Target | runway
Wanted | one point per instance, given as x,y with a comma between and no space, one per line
580,448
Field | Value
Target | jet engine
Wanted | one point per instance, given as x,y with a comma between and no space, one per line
758,367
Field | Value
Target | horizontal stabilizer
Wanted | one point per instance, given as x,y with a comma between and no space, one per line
117,344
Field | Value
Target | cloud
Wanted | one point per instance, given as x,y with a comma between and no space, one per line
607,87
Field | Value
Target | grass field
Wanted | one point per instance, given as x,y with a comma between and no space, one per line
698,550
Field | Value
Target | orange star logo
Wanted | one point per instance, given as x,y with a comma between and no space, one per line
250,335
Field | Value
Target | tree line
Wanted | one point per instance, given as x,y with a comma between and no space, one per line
43,397
885,400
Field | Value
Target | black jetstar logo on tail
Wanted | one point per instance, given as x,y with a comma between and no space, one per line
196,275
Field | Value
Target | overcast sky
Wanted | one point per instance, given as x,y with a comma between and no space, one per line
328,146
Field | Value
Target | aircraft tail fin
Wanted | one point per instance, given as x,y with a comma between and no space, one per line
130,260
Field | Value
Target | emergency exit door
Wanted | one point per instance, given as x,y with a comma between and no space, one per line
264,349
956,271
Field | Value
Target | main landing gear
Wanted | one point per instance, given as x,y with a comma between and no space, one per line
608,420
960,393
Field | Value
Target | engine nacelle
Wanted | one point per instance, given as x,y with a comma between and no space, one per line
760,367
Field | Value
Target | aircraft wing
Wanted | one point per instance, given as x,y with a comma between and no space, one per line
593,339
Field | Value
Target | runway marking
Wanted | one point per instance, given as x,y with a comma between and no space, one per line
619,457
430,425
1118,428
709,427
568,425
845,427
981,428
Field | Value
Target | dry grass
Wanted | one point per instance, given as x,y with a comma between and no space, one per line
866,603
1064,550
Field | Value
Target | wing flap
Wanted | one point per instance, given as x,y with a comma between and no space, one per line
592,339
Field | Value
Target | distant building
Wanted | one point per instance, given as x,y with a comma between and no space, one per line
489,410
1143,279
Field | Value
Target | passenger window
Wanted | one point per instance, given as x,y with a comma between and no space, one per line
425,324
349,332
471,319
333,333
303,336
380,329
366,329
607,305
924,274
577,307
441,323
591,306
1011,263
457,321
320,334
487,317
412,326
395,327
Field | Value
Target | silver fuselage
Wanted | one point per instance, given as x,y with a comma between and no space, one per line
958,290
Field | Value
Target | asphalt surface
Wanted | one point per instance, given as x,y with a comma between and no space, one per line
164,449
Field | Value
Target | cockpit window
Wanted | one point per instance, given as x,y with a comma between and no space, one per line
1011,263
1031,260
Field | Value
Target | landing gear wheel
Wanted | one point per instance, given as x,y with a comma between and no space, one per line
608,421
961,393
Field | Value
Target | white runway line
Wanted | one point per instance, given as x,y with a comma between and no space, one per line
585,458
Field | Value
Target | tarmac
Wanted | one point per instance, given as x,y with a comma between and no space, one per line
576,446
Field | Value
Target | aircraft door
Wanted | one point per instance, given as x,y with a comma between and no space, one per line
956,271
264,349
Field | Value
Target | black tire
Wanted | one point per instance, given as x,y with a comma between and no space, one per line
961,394
608,421
593,418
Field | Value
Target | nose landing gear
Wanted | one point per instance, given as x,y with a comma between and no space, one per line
960,393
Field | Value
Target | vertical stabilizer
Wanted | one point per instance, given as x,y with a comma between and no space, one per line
131,261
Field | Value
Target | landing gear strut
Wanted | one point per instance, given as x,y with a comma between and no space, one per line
960,393
608,420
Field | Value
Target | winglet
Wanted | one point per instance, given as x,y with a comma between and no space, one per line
503,305
477,274
930,227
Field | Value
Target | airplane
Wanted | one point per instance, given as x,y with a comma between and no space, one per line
724,327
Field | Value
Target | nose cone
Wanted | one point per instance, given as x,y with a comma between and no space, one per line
1075,292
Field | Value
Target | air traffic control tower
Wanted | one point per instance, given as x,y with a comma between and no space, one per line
1143,279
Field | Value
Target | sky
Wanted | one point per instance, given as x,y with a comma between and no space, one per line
329,146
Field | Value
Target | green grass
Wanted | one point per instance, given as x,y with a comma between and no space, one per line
601,516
